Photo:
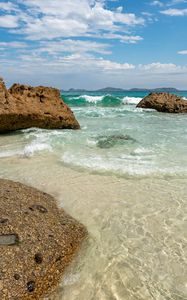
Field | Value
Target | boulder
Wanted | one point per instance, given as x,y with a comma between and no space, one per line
164,102
37,241
24,106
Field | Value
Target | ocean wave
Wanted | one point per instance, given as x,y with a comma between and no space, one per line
131,100
32,140
92,99
102,101
125,166
28,151
35,147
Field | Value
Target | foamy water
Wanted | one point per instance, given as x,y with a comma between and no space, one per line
124,176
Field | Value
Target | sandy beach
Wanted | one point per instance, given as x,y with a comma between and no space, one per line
137,237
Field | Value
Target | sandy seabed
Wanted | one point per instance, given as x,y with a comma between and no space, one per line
137,246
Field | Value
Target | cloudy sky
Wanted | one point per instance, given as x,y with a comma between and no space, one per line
94,43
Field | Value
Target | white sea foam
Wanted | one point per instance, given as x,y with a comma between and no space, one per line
143,151
10,153
131,100
126,164
91,99
36,147
28,151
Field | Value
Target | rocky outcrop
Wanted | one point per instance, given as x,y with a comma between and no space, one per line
24,106
37,242
164,102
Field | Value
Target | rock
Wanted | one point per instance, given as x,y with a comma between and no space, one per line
113,140
9,239
164,102
24,106
37,241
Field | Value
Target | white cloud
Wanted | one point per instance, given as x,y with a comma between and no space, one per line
157,67
77,63
53,19
167,3
131,39
13,44
8,6
183,52
86,71
174,2
8,21
147,14
157,3
72,46
175,12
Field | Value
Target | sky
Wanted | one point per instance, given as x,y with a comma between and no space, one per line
94,43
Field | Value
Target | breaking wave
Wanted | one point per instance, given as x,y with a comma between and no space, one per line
103,101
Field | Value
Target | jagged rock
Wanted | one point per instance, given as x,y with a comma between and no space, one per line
164,102
37,241
24,106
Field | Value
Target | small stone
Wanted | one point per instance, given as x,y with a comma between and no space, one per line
31,286
9,239
38,258
16,276
38,207
3,221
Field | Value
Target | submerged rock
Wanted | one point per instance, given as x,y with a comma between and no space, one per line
113,140
24,106
37,241
164,102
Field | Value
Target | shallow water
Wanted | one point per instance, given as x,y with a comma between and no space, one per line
131,194
137,244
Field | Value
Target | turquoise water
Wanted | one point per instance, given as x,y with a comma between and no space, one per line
157,142
115,138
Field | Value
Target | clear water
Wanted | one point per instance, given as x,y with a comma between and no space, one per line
124,176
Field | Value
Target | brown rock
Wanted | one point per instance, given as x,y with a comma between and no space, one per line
164,102
24,106
37,242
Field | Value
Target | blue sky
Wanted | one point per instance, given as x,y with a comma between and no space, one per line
93,44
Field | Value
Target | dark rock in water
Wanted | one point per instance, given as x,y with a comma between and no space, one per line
113,140
164,102
34,234
24,106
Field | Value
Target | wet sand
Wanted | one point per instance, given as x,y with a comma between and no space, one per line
137,249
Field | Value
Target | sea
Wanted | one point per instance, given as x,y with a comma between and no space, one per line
123,175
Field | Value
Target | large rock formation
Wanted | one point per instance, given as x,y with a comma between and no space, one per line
164,102
24,106
37,242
